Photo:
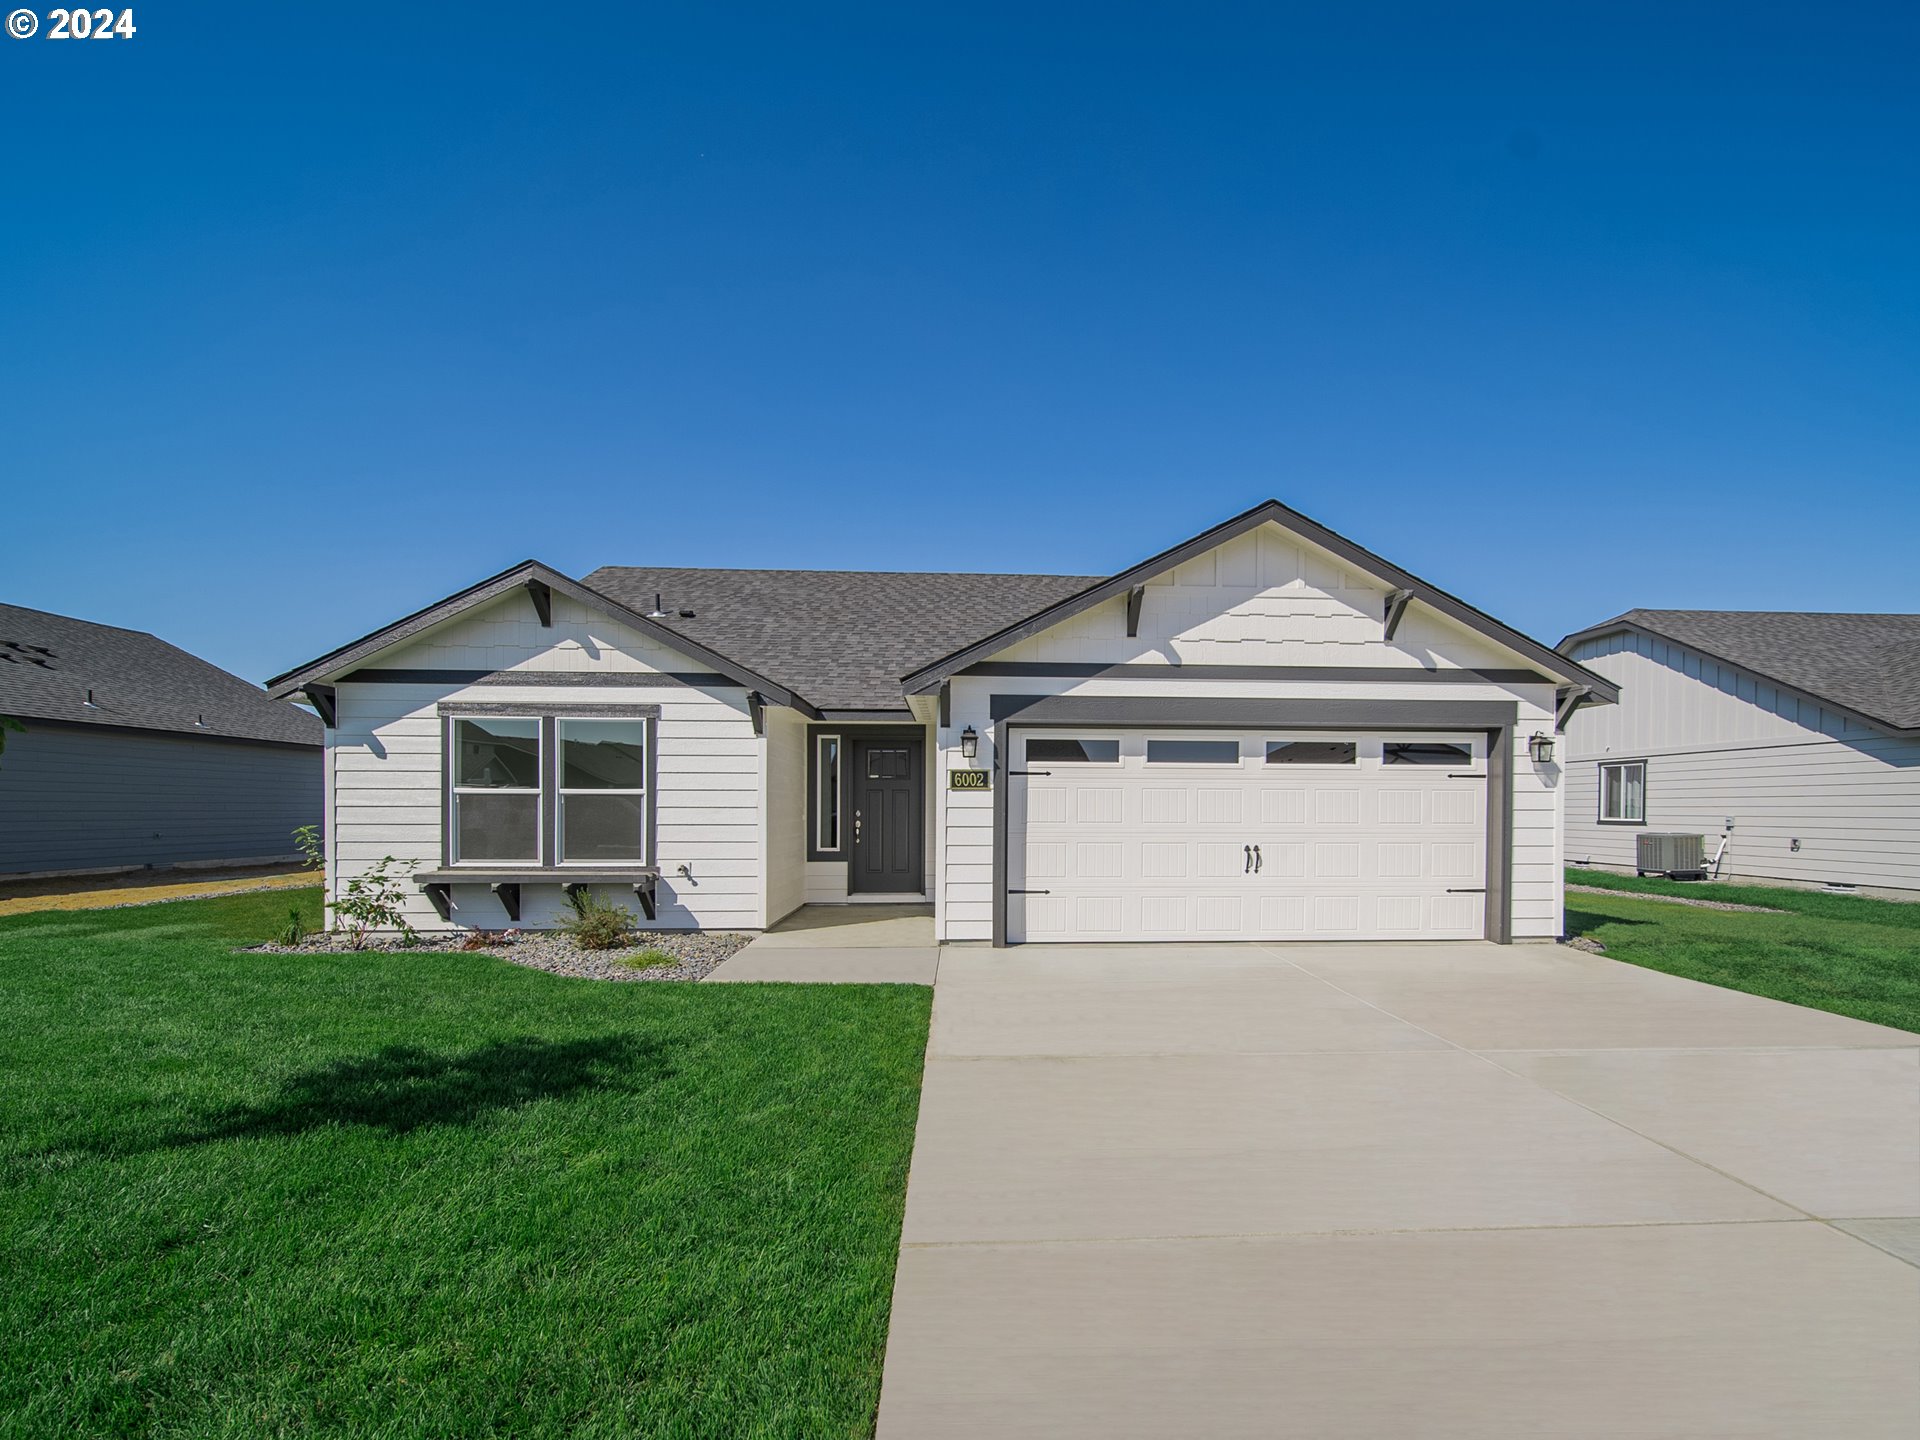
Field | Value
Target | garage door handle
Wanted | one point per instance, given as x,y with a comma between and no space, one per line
1248,849
1481,891
1029,892
1029,772
1257,862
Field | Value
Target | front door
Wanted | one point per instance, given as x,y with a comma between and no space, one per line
889,826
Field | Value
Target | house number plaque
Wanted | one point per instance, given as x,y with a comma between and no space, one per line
967,779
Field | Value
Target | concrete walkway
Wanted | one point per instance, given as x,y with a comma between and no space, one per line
1372,1191
841,944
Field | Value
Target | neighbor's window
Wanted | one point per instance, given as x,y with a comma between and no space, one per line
1408,752
1073,752
496,789
1193,752
1311,752
1623,792
603,790
826,793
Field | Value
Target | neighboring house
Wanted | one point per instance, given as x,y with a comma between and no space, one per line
1265,732
136,753
1795,738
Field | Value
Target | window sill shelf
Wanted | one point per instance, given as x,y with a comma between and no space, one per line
538,875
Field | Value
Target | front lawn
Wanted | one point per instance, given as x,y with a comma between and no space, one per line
1842,953
435,1194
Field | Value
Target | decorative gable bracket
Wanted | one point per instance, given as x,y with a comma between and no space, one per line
1396,607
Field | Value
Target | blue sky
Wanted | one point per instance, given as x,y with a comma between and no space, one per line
311,316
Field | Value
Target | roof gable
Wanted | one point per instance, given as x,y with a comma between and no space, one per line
1867,665
1396,589
540,583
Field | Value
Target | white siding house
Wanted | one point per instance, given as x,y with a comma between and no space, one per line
1808,783
1264,733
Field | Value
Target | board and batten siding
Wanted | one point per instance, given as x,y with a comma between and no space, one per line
386,777
81,798
1723,744
1263,599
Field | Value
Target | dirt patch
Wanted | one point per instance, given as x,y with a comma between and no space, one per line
112,892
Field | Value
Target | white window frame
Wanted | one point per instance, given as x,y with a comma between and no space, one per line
560,792
455,790
1116,741
1601,800
820,791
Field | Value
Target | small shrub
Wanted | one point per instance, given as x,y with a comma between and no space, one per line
307,837
295,930
486,939
596,924
376,899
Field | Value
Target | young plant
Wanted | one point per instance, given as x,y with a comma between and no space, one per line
596,924
375,900
295,929
307,837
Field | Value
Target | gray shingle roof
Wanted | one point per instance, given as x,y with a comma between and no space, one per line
49,662
841,638
1869,664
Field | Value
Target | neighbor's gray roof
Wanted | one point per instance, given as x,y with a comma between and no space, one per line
1869,664
49,662
842,638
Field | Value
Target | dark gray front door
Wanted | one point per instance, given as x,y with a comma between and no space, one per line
889,826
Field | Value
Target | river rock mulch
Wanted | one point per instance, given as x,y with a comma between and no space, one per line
1677,900
691,955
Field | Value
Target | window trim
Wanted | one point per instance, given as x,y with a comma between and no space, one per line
548,715
816,772
1030,758
1269,741
455,790
1600,792
560,793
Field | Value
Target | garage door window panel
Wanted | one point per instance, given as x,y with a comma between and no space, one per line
1312,752
1059,750
1193,752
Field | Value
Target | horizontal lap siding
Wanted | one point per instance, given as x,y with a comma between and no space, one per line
1720,743
388,798
74,799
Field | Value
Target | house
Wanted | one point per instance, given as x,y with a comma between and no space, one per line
1794,739
135,753
1265,732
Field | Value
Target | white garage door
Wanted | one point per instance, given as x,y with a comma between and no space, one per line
1261,836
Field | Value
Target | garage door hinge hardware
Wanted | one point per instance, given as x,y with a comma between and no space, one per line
1029,772
1029,892
1481,891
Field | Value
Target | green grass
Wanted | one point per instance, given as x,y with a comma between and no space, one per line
435,1194
1842,953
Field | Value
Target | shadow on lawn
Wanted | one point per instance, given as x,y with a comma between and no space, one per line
402,1089
1581,922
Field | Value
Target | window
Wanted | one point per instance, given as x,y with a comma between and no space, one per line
545,788
1623,792
1193,752
603,790
1311,752
1407,752
826,792
1073,752
496,789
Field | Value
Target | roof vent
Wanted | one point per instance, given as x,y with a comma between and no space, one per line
200,721
686,614
656,613
89,701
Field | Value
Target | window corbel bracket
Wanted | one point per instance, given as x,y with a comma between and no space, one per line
440,896
645,893
508,892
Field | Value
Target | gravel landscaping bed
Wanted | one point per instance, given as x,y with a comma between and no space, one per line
693,955
1675,900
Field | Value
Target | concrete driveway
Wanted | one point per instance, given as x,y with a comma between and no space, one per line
1378,1191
